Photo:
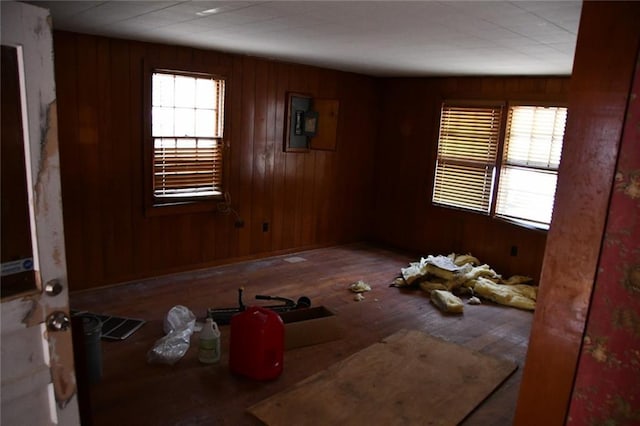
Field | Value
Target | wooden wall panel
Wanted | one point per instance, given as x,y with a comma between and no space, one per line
358,120
278,224
324,166
406,157
261,155
310,180
605,59
244,141
90,113
119,227
308,199
613,323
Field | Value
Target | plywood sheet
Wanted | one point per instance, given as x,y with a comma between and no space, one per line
409,378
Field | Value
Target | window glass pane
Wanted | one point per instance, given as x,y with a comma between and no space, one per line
532,151
162,121
205,93
185,122
162,90
535,135
164,143
185,92
526,194
205,123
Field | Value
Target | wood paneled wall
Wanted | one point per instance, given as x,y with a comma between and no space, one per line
376,184
405,167
309,199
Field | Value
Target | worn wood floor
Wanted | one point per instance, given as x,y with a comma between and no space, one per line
133,392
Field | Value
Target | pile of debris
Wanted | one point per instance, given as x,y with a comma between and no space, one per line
445,278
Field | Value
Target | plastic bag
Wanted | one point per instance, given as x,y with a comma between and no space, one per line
179,325
178,318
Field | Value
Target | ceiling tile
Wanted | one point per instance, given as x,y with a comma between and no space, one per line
374,37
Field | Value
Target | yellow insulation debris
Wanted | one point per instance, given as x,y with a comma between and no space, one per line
442,276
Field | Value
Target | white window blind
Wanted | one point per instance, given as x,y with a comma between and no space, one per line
533,145
187,129
467,150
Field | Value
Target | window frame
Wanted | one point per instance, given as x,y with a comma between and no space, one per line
152,205
501,105
504,164
499,162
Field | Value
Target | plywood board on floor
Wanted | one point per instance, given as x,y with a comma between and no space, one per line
409,378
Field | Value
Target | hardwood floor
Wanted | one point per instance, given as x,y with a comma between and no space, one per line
133,392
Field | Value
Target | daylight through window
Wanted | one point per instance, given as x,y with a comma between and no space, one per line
529,172
187,129
467,150
466,169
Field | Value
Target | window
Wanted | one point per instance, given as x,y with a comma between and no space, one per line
187,124
529,172
467,174
467,150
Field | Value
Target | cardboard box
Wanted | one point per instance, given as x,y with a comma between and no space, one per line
310,326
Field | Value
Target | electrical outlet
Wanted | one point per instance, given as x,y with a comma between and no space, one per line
239,223
265,226
514,250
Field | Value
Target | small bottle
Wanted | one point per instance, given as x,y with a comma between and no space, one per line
209,343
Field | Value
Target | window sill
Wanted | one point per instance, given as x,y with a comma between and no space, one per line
524,224
183,207
459,209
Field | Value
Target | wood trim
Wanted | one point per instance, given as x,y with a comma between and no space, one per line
600,87
151,207
315,199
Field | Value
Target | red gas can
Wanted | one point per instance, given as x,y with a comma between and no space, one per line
256,346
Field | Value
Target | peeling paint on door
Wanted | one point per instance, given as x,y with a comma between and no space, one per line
38,378
62,371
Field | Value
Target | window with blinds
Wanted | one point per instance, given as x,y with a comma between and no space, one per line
532,149
466,160
187,124
521,188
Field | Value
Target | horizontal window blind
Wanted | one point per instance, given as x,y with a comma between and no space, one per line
467,151
185,167
187,129
533,146
534,136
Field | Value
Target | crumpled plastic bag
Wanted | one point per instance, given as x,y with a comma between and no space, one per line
178,318
179,325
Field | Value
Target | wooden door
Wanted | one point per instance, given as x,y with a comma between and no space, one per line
38,380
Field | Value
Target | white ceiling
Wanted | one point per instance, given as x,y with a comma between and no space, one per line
380,38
